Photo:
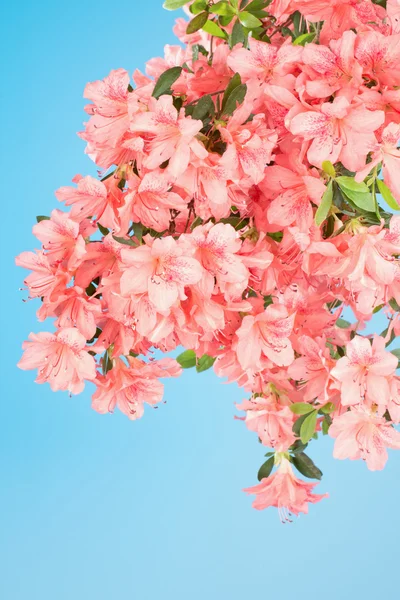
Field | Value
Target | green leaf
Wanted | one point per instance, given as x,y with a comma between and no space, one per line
204,107
302,40
325,206
102,229
297,447
174,4
394,305
298,423
222,8
326,423
125,241
306,466
307,428
213,29
396,353
266,468
235,99
257,5
237,36
42,218
187,359
248,20
137,229
327,408
328,167
204,363
165,81
197,23
196,50
387,195
343,324
301,408
234,82
357,192
198,6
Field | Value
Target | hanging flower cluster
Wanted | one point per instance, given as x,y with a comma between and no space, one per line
239,209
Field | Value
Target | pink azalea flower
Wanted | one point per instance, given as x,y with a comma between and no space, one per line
266,334
338,131
285,491
361,434
60,358
312,368
379,56
45,278
171,136
270,421
89,198
364,372
61,239
161,270
131,386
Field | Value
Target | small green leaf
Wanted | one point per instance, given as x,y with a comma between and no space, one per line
297,447
204,107
165,81
102,229
137,229
42,218
266,468
198,6
213,29
234,82
298,423
257,5
328,408
248,20
394,305
396,352
343,324
302,40
174,4
306,466
308,426
325,206
301,408
387,195
196,50
235,99
357,192
237,36
125,241
326,423
328,167
197,23
204,363
187,359
222,8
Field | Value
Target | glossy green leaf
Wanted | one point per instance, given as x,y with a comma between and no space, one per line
307,428
222,8
234,82
187,359
301,408
325,206
213,29
394,305
204,107
197,23
305,38
204,363
328,167
125,241
198,49
257,5
198,6
235,99
174,4
266,469
165,81
326,423
102,229
357,192
248,20
306,466
343,324
328,408
237,36
42,218
387,195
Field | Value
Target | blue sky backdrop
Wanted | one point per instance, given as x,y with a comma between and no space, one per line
97,507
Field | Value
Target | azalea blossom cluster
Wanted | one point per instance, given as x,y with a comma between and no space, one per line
241,206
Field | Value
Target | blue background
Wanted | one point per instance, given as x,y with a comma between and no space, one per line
97,507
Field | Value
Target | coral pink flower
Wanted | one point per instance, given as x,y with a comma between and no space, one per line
89,198
266,334
60,358
339,131
216,248
364,372
285,491
379,56
264,61
171,136
131,386
393,11
61,239
45,277
270,421
161,270
312,368
360,434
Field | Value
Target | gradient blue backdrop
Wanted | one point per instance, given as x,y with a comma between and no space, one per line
96,507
